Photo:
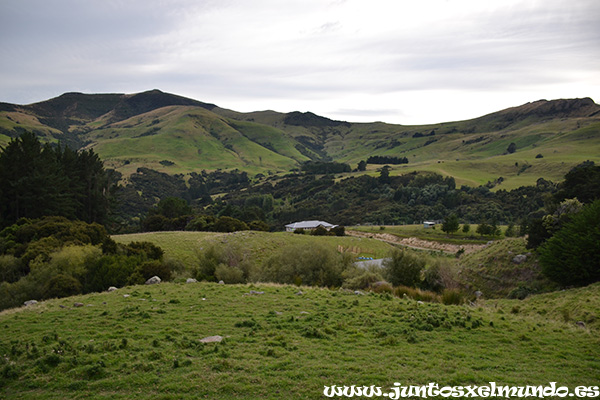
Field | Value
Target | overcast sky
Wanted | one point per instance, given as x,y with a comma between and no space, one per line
408,62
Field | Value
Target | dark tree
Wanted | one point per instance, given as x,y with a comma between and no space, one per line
572,255
511,148
362,165
450,224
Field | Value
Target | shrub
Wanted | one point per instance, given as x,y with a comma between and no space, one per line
452,296
201,223
319,231
466,228
361,280
308,264
145,250
152,268
62,285
11,269
229,224
230,255
258,225
415,294
299,231
229,274
403,268
572,255
339,231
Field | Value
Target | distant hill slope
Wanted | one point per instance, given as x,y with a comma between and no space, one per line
175,134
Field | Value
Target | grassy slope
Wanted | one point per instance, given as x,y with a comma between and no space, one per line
261,142
192,138
280,344
261,245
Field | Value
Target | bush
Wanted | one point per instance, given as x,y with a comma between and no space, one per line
572,255
152,268
11,269
62,285
403,268
229,224
361,280
229,274
145,250
307,264
230,255
339,231
415,294
452,296
319,231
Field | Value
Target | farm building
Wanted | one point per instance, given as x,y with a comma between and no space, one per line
308,225
428,224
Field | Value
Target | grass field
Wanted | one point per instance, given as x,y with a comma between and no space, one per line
418,231
288,342
184,245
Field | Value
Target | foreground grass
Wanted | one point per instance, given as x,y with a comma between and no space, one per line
184,245
280,344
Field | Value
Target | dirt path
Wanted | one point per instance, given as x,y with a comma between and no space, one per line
417,243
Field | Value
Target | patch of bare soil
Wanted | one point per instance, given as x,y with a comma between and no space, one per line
417,243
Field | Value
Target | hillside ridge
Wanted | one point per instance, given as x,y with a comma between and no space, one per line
180,135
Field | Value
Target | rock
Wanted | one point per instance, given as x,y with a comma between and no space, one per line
212,339
77,304
303,312
126,295
256,292
221,283
111,289
420,302
191,280
30,302
478,294
299,293
152,281
519,259
580,324
358,292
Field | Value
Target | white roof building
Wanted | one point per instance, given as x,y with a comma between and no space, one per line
308,225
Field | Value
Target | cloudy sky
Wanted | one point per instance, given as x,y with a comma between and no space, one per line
398,61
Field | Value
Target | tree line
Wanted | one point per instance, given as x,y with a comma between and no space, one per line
38,180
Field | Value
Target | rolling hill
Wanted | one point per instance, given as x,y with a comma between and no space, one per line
178,135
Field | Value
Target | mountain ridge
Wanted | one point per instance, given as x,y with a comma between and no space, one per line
176,134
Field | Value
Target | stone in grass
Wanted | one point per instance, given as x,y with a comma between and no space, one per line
30,302
212,339
111,289
77,304
519,259
154,280
191,280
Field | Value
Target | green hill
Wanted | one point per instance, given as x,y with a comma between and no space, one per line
146,342
174,134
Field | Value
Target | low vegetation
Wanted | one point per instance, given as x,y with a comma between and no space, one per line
145,342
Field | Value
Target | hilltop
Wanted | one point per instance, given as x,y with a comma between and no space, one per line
178,135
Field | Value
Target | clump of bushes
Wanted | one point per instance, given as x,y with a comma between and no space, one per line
54,257
306,264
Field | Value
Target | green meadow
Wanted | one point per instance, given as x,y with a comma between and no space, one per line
184,246
144,342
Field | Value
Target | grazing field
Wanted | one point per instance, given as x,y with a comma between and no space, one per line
184,245
144,342
434,234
